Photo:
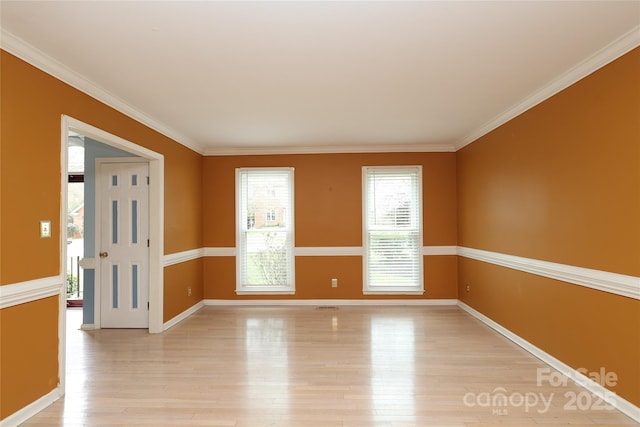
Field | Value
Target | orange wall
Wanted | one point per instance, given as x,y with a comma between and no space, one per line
561,183
178,279
562,180
328,212
31,107
28,353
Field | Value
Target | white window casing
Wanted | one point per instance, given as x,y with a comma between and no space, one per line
264,231
392,230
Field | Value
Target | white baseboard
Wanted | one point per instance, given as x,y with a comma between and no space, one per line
598,390
87,327
180,317
32,409
330,302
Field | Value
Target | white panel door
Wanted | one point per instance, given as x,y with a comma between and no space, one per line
124,251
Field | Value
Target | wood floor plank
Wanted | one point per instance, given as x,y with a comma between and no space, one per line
305,367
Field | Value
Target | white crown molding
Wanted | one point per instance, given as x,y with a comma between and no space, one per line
331,302
330,149
609,53
619,284
49,65
580,379
184,256
31,290
39,59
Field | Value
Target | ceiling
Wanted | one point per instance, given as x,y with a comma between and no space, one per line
329,76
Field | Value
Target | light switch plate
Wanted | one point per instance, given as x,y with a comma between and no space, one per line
45,229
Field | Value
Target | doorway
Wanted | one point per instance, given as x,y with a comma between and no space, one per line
156,220
156,228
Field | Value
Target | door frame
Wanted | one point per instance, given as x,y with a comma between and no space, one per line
156,226
97,293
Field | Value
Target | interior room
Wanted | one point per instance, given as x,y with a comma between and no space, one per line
319,213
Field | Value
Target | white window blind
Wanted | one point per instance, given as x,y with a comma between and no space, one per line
393,260
264,221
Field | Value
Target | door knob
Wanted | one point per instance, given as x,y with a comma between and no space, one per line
104,254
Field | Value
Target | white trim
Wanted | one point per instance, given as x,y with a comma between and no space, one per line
328,251
439,250
219,252
618,402
184,256
156,220
32,409
331,302
180,317
87,327
156,247
44,62
619,284
329,149
608,54
62,299
30,290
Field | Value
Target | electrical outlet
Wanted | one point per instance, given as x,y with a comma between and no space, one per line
334,283
188,292
468,288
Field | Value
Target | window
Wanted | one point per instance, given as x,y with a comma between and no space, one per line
271,214
392,211
264,214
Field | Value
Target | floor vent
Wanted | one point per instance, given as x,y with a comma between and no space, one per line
327,307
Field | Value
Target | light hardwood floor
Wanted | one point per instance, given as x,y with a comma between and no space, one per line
308,366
